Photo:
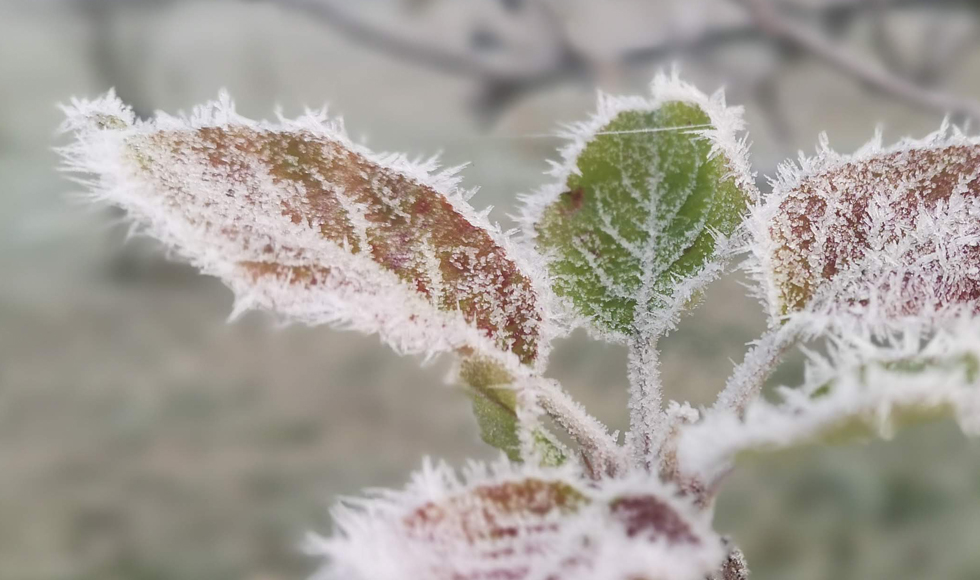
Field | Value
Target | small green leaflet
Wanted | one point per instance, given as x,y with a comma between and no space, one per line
495,408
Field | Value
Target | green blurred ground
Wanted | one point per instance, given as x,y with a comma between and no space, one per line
141,437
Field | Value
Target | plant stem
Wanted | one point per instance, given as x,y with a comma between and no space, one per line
600,448
646,399
747,379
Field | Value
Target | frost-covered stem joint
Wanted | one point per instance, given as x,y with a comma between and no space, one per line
645,400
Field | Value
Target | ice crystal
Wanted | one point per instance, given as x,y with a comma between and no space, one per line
515,523
865,387
638,218
880,240
299,220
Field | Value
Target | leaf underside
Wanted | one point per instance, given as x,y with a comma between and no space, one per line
860,392
639,215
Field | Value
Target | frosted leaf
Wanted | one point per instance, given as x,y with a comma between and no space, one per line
638,219
861,389
883,239
520,523
299,220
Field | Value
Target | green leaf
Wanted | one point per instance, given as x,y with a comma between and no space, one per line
495,408
631,232
495,413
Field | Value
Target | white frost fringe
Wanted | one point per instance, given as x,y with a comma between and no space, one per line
362,297
856,382
951,226
371,541
727,139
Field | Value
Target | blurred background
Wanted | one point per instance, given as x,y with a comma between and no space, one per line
143,438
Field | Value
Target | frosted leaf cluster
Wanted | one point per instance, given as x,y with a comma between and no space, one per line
881,240
520,523
863,388
877,252
299,220
644,200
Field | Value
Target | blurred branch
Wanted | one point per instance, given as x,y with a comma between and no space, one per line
883,42
940,51
373,36
501,86
792,25
792,34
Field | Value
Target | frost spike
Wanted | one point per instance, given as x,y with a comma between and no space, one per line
299,220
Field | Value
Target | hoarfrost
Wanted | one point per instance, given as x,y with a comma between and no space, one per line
299,220
520,522
649,249
882,240
864,387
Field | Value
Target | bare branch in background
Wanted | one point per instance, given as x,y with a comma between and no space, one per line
361,32
940,48
884,43
793,34
793,28
500,86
